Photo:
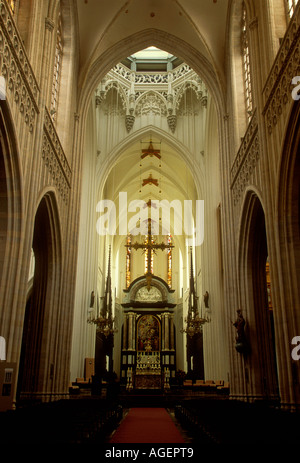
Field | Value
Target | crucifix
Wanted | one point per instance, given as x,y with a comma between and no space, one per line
150,180
148,247
150,151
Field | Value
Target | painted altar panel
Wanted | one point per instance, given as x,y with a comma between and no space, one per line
148,333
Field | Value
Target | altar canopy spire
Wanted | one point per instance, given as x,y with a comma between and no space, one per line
105,322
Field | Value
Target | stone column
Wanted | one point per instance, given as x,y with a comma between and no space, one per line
172,341
130,331
167,337
125,332
133,331
163,332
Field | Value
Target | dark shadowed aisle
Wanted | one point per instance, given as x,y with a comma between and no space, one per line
147,425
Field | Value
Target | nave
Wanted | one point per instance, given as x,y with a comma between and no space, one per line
112,120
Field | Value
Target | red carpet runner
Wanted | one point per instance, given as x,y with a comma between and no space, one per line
147,425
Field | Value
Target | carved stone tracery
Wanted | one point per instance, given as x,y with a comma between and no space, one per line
278,88
246,160
55,159
21,84
138,98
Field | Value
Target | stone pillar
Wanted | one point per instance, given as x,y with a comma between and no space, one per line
130,331
167,337
134,331
172,341
125,332
163,332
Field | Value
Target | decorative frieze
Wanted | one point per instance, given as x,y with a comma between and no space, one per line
246,160
21,84
55,159
278,88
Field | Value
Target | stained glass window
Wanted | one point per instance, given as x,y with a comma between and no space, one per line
270,307
246,65
57,70
12,5
290,7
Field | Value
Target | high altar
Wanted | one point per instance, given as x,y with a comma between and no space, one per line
148,341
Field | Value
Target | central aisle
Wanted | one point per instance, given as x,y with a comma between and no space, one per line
147,425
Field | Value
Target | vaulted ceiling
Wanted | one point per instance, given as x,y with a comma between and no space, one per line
200,23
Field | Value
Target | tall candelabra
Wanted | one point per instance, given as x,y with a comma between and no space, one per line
194,322
105,322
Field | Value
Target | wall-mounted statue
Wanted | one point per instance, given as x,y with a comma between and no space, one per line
241,342
205,298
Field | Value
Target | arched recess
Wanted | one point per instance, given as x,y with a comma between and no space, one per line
10,219
40,343
260,364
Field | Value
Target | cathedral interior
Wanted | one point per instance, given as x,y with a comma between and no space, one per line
150,218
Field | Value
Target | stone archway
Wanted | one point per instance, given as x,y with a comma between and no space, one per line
259,356
288,200
10,228
83,139
39,343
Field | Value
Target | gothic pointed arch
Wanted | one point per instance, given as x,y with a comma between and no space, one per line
103,63
11,213
259,355
151,102
39,344
288,200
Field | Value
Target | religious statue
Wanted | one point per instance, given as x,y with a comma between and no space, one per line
206,297
239,324
91,310
92,299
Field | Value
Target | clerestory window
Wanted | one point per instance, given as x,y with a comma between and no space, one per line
290,7
12,5
57,70
246,65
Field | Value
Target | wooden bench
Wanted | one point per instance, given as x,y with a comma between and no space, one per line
209,383
199,382
188,383
224,387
